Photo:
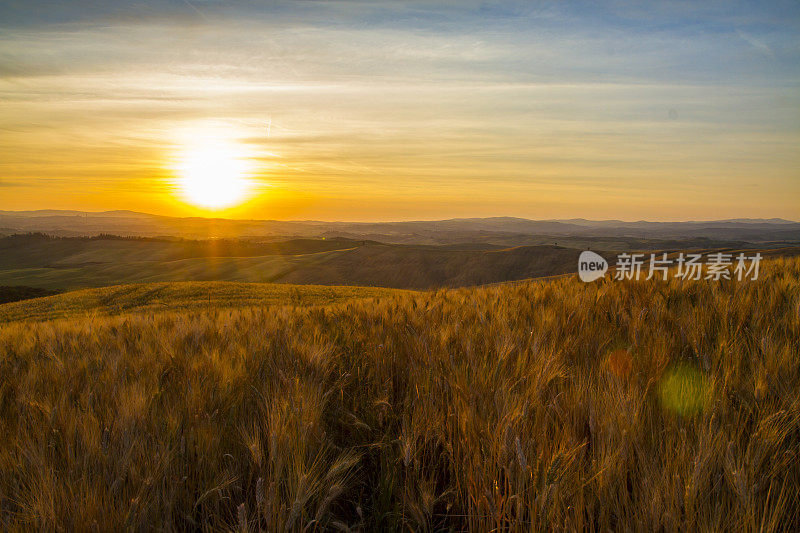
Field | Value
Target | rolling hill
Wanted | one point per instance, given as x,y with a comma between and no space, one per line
508,230
651,405
180,296
69,263
52,263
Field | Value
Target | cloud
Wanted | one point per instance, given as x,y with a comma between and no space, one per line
563,96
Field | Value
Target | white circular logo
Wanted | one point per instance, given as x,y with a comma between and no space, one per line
591,266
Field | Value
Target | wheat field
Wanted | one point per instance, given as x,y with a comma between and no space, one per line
612,406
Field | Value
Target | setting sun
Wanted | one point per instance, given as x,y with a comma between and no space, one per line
213,170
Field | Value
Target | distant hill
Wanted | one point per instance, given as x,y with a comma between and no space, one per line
67,263
509,230
421,268
38,249
63,263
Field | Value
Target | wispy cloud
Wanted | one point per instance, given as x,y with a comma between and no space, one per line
364,96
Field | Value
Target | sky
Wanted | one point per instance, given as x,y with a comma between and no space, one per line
355,110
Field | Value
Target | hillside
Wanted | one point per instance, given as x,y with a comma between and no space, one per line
40,250
70,263
40,261
606,406
179,296
14,293
423,268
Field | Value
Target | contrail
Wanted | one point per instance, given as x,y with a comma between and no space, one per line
188,3
755,43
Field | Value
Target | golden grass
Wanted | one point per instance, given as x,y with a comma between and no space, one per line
187,295
643,406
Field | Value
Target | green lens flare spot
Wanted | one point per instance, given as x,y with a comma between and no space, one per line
683,390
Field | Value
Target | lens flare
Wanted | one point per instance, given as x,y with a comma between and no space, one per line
683,390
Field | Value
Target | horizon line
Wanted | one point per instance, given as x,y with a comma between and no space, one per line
777,220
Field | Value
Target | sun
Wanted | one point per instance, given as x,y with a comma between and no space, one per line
213,171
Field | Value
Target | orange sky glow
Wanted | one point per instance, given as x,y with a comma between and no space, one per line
394,111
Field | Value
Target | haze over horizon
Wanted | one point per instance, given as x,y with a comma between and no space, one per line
391,111
56,212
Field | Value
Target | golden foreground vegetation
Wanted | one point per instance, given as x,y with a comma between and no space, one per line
179,296
646,406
